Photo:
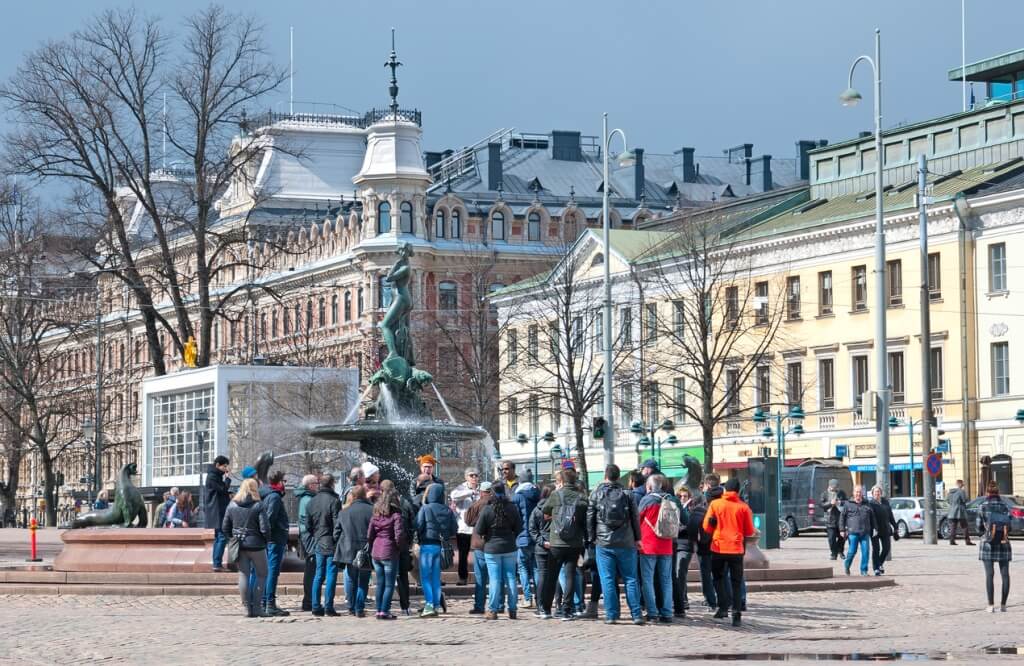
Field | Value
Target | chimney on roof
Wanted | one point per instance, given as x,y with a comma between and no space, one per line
689,169
822,143
432,158
566,146
864,134
746,161
803,159
494,174
638,174
766,173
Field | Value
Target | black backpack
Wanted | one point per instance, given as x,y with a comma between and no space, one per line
997,517
614,508
564,522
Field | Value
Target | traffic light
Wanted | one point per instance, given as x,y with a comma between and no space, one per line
599,425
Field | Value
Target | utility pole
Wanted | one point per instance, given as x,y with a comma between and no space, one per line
98,440
926,357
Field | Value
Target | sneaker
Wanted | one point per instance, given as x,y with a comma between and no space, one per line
721,614
611,620
541,615
639,621
330,612
408,611
878,572
831,557
1002,609
568,617
665,620
882,569
528,603
489,615
218,569
378,616
864,572
476,611
590,612
428,611
991,609
847,570
318,612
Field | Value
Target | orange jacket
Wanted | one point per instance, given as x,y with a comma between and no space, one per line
734,521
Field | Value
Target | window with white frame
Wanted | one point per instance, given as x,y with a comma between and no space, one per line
762,385
498,226
997,267
679,399
794,383
896,377
935,370
860,379
826,384
1000,368
439,223
448,296
178,449
533,226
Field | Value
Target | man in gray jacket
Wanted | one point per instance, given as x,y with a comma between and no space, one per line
857,526
613,526
957,514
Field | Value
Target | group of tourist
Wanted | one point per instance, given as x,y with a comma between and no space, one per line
543,543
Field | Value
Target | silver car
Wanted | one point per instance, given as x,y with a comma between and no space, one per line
909,513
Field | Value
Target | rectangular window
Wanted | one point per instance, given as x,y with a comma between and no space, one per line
793,297
969,135
867,160
894,153
894,278
513,419
384,295
918,146
997,267
577,335
859,283
533,344
732,306
626,409
896,378
553,340
626,326
534,409
934,276
860,379
761,303
179,448
652,402
679,399
935,370
1000,368
732,391
847,164
512,343
556,413
824,169
678,319
762,386
650,323
825,293
598,331
826,384
794,384
944,142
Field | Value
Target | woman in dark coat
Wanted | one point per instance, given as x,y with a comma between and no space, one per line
246,520
386,537
994,548
350,531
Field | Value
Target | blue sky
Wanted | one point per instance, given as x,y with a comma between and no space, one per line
709,74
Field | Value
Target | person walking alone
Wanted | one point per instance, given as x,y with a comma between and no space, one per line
857,526
320,518
498,526
994,524
730,521
435,524
885,530
245,519
385,538
956,516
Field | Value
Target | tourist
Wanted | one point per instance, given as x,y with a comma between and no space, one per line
245,519
540,536
857,525
180,514
613,526
462,498
567,508
647,469
170,498
700,544
320,516
216,495
435,524
405,567
885,530
307,549
635,482
277,546
714,490
428,464
683,554
656,549
730,521
355,478
525,497
102,502
956,516
351,528
994,525
371,478
832,500
385,538
480,581
508,476
498,527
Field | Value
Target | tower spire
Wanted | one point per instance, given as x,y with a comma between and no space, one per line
394,64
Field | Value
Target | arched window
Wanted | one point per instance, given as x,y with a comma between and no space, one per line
359,302
447,296
383,217
406,218
498,226
322,312
455,231
273,324
334,310
439,224
383,293
309,314
533,226
298,318
570,227
348,306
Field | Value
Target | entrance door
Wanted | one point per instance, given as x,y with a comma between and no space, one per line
1002,473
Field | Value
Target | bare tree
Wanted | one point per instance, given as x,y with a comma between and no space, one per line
89,111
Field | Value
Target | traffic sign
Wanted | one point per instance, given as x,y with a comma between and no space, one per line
934,464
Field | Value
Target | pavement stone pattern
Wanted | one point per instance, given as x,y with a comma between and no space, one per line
937,608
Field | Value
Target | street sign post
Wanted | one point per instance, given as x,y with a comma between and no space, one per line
934,464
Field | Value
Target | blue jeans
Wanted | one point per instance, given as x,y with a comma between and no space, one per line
526,565
501,574
220,542
613,563
854,542
357,586
479,580
430,573
707,584
657,570
386,572
327,575
577,589
275,553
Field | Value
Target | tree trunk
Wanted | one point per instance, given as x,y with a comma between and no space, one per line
9,495
49,491
581,451
708,433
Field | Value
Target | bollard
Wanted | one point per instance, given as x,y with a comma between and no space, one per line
32,527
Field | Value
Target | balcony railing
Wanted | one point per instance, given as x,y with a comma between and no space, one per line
333,119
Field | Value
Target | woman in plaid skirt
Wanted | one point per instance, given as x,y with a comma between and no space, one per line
993,523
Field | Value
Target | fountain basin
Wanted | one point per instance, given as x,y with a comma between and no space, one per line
422,433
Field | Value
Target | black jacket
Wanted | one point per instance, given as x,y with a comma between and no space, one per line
700,540
540,529
216,496
350,528
499,537
857,519
885,524
320,517
832,512
277,516
249,521
600,534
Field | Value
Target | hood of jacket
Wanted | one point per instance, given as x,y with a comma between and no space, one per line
435,494
246,503
715,493
211,469
527,488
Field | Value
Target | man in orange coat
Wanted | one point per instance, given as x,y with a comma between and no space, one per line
728,521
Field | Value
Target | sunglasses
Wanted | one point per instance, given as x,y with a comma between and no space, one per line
474,475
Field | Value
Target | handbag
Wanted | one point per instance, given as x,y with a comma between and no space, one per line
362,558
233,548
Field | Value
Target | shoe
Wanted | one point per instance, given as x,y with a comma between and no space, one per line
990,609
686,605
408,611
1002,609
847,570
541,615
250,611
476,611
378,616
639,621
611,620
952,543
882,569
878,572
650,618
318,612
528,604
590,612
330,612
735,619
569,617
864,573
512,614
444,605
721,614
428,611
681,613
217,569
968,543
664,620
743,606
307,608
832,557
358,613
490,615
388,616
276,610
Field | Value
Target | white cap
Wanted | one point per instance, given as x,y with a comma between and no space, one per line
369,469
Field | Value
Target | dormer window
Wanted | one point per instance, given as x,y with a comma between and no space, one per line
439,224
533,226
383,217
456,226
406,218
498,226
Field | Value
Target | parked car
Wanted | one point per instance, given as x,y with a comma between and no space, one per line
909,513
1013,503
802,487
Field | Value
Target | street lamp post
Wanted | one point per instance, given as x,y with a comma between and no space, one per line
89,432
850,97
625,159
555,454
201,420
796,416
